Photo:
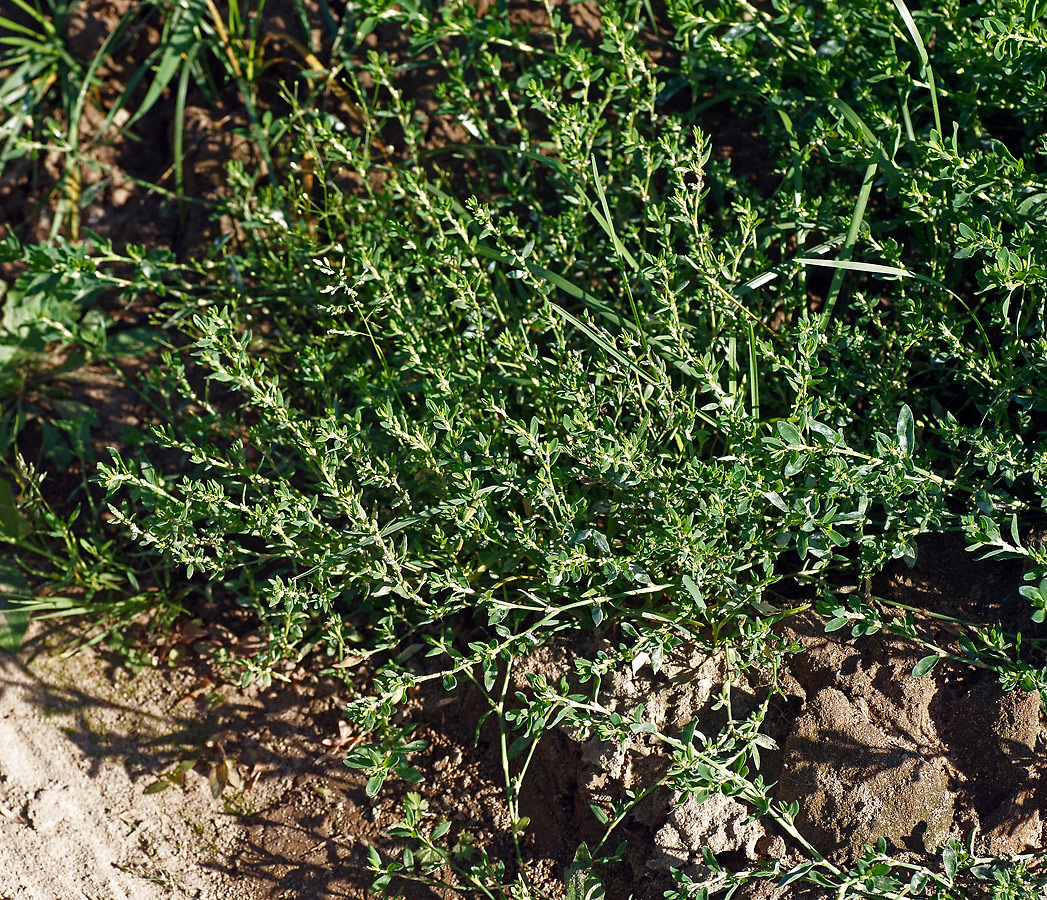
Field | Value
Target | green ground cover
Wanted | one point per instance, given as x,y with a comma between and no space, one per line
563,371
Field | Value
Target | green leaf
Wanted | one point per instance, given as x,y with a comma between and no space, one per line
967,646
694,591
925,665
374,784
218,778
582,882
776,500
490,673
133,342
183,766
14,619
906,431
949,862
790,434
1034,592
1015,536
796,873
837,623
12,522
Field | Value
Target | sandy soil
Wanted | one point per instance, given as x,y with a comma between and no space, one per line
76,821
81,741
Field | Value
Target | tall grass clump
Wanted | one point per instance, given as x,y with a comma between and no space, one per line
566,371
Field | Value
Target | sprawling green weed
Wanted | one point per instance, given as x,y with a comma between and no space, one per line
569,372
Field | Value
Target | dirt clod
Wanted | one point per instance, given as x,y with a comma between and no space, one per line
856,784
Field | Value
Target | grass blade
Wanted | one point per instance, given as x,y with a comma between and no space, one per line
873,268
619,250
14,619
925,61
848,243
765,278
600,341
754,375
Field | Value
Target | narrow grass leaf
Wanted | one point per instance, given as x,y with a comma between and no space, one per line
600,341
851,116
14,620
621,254
872,268
694,591
770,275
754,373
914,32
12,522
606,221
925,62
848,245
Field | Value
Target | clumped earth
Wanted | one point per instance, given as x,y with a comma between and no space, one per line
257,803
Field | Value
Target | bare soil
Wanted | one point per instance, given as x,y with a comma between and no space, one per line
866,749
82,739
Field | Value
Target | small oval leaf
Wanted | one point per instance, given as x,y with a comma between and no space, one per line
925,665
